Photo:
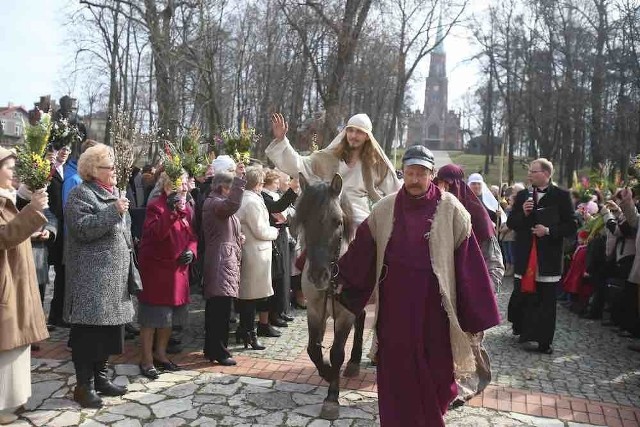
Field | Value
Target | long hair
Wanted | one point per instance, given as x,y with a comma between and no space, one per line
368,156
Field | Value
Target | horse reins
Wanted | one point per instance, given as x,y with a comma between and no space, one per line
333,286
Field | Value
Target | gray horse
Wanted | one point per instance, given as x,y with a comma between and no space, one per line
324,222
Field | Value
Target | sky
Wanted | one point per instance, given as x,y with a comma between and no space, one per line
32,43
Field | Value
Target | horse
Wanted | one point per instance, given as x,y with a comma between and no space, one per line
324,221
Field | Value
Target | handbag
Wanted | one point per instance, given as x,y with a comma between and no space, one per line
134,282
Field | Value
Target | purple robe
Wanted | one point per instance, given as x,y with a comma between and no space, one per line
415,363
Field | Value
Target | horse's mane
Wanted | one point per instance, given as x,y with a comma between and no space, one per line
314,201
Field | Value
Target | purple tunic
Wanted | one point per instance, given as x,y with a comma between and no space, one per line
415,364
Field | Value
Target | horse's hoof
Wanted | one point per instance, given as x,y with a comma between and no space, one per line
351,370
330,410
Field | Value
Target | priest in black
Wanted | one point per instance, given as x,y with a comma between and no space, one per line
543,211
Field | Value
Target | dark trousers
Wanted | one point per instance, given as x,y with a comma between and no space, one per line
279,301
625,309
515,311
247,309
57,303
539,314
216,327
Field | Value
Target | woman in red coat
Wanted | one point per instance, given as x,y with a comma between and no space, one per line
167,247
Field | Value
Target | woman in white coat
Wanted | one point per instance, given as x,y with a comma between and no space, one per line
255,269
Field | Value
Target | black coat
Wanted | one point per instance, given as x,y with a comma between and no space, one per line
280,261
56,247
554,211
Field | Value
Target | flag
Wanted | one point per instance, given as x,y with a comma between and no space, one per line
528,281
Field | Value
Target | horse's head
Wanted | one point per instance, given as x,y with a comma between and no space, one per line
323,215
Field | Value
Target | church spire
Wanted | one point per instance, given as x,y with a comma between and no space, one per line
439,36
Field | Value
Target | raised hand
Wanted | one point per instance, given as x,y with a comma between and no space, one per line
279,126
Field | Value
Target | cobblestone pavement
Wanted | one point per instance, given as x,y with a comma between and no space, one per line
214,399
589,361
590,372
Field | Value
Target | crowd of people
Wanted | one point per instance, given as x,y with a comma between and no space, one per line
227,234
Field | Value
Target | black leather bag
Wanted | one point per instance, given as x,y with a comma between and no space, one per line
134,282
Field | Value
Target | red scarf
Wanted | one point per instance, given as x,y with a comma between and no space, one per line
110,188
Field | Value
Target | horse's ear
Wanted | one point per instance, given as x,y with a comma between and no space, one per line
303,181
336,185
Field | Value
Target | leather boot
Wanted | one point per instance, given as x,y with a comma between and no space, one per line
251,339
266,330
85,393
102,382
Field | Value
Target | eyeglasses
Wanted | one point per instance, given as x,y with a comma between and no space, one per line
111,168
530,171
65,150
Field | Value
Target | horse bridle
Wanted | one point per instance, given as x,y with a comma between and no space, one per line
333,286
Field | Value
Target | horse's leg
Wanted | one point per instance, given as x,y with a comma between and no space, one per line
331,407
316,325
353,366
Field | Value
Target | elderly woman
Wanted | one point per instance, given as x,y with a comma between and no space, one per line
221,268
21,317
169,244
97,301
255,272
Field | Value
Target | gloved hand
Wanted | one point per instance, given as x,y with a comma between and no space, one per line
173,201
185,257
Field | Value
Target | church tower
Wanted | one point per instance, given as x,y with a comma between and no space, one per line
436,95
436,127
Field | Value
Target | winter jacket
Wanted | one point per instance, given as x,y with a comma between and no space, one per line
21,316
165,236
97,254
222,241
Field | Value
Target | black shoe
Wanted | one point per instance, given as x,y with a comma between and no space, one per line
251,339
286,317
102,382
233,319
51,328
151,373
226,362
276,321
175,341
86,396
268,331
85,392
35,347
166,366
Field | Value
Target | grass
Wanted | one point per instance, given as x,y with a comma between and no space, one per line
475,163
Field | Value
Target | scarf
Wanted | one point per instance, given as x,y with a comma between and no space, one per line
480,222
110,188
8,193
